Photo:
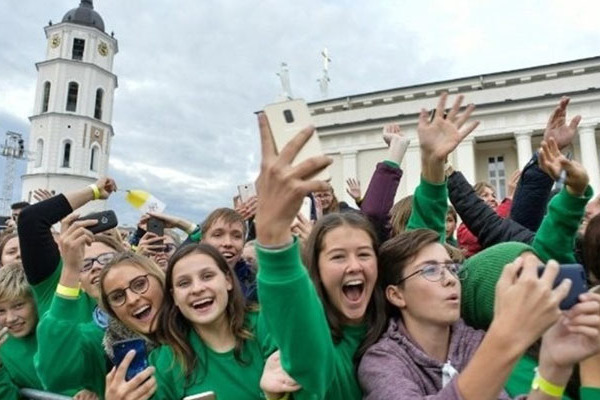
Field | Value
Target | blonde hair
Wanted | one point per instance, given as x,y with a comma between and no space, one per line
480,186
400,214
128,258
13,283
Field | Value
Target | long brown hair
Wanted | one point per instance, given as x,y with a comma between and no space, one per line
173,328
314,246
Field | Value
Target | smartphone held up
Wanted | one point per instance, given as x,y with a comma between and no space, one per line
288,118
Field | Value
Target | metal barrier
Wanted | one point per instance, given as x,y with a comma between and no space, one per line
32,394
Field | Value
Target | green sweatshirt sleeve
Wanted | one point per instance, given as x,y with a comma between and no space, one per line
429,209
44,291
70,355
296,319
589,393
555,239
8,390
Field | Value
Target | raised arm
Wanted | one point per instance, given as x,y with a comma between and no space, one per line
379,199
437,139
482,220
289,301
533,192
556,237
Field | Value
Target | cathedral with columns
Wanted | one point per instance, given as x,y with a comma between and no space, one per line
71,125
513,107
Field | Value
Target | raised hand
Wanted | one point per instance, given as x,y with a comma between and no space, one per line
275,382
106,186
282,187
41,194
396,141
247,209
552,161
74,236
511,185
302,227
171,221
440,136
557,127
141,387
150,244
353,188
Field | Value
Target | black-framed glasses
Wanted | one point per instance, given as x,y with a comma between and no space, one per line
138,285
434,272
169,247
101,259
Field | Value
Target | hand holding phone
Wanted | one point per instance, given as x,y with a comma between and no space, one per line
156,226
139,362
106,220
288,118
576,274
117,387
246,191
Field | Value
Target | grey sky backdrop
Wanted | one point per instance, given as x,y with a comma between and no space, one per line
192,72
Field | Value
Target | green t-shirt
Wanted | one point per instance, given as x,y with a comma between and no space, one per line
217,372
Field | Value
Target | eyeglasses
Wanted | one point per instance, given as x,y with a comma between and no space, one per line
434,272
138,285
102,260
169,247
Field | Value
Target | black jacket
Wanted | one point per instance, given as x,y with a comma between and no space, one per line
482,220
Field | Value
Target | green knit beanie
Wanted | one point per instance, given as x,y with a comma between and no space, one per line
479,285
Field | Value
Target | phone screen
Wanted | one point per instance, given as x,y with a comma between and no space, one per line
139,362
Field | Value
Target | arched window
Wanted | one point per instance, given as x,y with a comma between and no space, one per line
66,161
72,96
98,107
39,152
46,98
94,158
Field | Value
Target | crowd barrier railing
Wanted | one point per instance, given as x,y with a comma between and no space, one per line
32,394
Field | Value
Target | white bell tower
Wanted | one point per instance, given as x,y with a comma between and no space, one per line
71,125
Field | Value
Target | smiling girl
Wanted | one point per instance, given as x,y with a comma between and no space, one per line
214,342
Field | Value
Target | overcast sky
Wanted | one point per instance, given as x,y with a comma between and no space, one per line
192,72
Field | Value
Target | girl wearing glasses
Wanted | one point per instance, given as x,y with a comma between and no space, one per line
214,342
330,321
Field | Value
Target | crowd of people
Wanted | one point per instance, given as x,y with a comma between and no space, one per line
379,301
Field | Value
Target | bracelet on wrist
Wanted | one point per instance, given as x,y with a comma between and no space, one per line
96,191
68,292
549,388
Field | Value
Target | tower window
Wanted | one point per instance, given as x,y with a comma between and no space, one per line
72,96
66,162
98,107
78,48
46,98
39,152
94,159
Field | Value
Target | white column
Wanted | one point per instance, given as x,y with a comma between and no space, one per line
465,158
349,169
412,167
524,151
589,154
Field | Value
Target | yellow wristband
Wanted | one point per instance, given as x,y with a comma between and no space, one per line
96,191
65,291
546,387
